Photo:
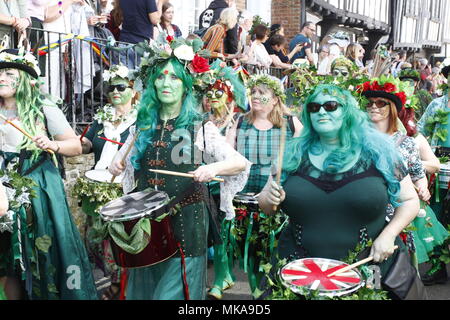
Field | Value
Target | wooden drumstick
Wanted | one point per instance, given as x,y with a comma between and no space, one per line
280,155
26,134
180,174
352,266
127,153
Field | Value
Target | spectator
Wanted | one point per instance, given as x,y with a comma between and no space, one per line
115,20
276,29
211,15
437,80
36,10
245,24
166,21
214,38
13,14
304,37
257,54
139,18
355,53
324,60
274,47
424,68
397,65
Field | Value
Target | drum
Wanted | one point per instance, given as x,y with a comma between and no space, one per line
312,274
101,176
444,176
128,210
247,200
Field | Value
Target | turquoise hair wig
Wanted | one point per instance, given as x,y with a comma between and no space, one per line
149,107
357,133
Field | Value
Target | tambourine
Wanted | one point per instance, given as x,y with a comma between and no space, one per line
101,176
312,274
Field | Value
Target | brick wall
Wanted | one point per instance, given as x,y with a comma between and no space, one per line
287,13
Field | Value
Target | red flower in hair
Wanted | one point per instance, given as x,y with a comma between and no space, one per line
389,87
199,64
402,97
376,86
169,39
367,86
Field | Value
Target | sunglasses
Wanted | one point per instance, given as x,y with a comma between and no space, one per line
119,87
215,94
329,106
379,104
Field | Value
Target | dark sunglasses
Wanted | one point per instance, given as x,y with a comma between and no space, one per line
379,104
119,87
217,94
329,106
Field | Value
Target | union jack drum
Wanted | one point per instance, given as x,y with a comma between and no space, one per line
312,274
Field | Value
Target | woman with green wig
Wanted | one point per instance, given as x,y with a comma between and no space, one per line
45,258
338,178
257,135
172,136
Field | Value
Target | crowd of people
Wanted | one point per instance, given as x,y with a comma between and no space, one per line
196,159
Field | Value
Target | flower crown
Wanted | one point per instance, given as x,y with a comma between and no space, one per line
116,71
388,86
409,74
272,82
24,58
188,52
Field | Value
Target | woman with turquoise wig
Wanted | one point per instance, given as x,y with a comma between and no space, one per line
173,137
338,178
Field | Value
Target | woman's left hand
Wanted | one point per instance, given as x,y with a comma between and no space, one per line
424,194
44,143
204,173
382,248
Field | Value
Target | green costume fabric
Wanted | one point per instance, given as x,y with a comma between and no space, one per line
95,132
261,148
190,224
56,261
330,214
428,233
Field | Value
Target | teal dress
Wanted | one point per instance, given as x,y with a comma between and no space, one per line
330,214
163,281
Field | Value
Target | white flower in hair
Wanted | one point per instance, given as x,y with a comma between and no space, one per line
122,72
184,52
106,75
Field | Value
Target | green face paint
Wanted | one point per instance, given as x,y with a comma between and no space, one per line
120,98
9,82
218,104
327,124
169,88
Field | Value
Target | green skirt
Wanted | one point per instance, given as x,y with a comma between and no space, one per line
59,266
428,233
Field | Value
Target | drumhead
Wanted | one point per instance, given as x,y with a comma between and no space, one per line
311,274
102,176
134,206
246,198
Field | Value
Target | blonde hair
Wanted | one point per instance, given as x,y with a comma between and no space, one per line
276,115
352,50
229,17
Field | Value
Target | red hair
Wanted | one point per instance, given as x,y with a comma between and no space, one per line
407,117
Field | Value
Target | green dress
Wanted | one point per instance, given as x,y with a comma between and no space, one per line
45,249
173,150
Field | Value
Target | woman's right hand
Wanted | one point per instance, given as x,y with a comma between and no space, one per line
274,193
116,168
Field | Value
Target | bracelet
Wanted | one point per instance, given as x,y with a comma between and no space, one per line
57,150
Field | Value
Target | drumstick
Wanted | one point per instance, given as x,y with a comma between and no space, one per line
280,155
180,174
352,266
116,142
126,153
26,134
84,132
